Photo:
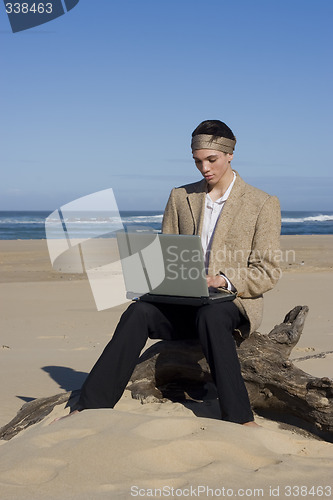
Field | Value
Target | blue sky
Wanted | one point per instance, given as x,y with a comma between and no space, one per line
108,95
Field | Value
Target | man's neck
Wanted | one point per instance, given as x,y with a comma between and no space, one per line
221,187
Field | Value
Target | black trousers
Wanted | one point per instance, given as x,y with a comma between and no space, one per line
213,324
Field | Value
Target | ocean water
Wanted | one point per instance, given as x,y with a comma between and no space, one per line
26,225
31,224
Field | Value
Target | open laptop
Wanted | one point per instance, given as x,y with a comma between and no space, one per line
166,268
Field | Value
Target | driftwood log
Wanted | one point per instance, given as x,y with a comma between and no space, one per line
176,370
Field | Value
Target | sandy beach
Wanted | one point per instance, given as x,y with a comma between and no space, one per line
51,335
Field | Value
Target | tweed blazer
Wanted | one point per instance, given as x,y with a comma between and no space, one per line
246,240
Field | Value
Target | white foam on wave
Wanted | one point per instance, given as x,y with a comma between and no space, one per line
13,221
88,220
143,218
313,218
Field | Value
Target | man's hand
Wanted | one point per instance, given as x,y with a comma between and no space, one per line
216,281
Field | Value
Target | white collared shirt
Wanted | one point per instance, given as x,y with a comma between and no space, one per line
213,210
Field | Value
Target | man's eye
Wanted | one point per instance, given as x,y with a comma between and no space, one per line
211,161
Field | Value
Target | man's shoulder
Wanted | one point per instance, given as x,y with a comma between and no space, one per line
254,192
251,192
194,187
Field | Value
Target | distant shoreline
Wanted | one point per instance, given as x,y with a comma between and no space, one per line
30,225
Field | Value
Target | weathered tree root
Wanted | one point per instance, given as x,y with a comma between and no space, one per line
34,412
313,356
176,370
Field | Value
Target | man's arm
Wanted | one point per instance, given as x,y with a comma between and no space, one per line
262,270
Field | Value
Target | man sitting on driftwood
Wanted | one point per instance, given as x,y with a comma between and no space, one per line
239,227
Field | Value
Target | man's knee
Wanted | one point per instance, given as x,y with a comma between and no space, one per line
221,309
140,308
139,316
224,314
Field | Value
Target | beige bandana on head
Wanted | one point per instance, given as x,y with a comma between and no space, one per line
204,141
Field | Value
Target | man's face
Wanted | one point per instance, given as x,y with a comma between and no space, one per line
213,165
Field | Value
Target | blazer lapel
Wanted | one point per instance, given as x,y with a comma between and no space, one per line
229,211
196,201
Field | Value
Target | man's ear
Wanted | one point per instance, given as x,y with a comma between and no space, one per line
230,157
